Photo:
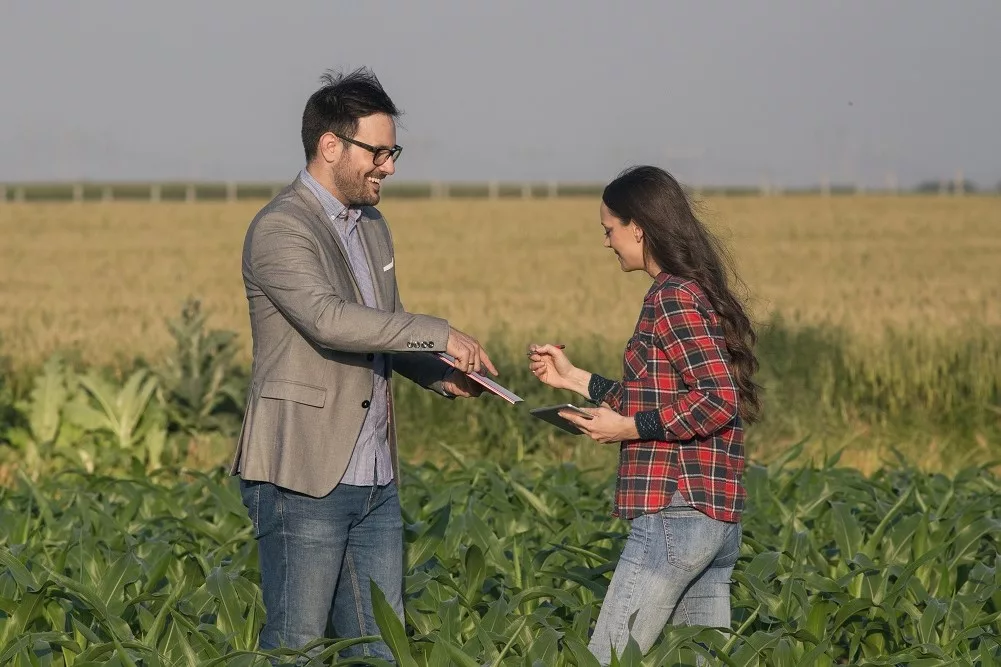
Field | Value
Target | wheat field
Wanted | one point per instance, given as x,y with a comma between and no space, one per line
101,278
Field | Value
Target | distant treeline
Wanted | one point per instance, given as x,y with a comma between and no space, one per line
221,191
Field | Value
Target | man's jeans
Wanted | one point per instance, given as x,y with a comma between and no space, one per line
317,556
675,567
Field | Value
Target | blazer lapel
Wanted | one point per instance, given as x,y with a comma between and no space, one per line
320,219
370,243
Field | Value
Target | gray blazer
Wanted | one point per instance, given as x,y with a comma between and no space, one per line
313,341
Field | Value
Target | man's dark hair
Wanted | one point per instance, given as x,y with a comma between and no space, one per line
339,103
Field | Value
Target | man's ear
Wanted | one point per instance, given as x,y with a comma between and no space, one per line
329,147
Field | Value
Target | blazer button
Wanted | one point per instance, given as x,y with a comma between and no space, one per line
370,356
365,404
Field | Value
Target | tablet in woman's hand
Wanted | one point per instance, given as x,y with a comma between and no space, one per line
550,414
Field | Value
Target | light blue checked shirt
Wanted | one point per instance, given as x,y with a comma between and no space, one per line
370,461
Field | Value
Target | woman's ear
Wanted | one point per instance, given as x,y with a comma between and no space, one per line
637,232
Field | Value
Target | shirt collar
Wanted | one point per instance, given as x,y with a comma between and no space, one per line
331,206
658,282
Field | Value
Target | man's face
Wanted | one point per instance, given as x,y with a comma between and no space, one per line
356,178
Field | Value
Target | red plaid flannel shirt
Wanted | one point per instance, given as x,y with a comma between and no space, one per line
676,370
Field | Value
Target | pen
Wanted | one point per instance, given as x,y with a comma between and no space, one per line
561,347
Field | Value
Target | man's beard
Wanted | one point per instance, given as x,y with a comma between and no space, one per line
357,191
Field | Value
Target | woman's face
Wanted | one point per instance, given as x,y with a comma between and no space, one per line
626,241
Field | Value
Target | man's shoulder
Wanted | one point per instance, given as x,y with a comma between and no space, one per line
288,200
287,212
288,206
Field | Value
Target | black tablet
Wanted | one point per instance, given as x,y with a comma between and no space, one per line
550,414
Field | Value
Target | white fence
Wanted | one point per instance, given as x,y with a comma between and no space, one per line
232,191
152,192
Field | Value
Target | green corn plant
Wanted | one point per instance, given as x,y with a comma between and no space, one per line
42,413
508,565
125,415
42,434
196,382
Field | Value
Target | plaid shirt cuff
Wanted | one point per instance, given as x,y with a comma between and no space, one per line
598,387
649,427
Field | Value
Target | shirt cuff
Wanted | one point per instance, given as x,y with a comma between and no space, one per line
649,426
598,387
441,383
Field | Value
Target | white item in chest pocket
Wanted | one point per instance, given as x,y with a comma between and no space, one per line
389,266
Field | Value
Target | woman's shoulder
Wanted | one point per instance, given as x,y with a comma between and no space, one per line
673,289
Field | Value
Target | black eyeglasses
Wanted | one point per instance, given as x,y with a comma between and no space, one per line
379,155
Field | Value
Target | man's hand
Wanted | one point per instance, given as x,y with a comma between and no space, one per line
467,352
461,385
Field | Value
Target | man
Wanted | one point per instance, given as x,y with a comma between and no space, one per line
317,453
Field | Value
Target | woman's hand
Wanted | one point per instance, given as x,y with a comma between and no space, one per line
552,367
605,426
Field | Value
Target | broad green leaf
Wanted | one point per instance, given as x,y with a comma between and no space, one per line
125,570
427,543
475,568
847,534
230,616
18,571
48,396
391,627
458,656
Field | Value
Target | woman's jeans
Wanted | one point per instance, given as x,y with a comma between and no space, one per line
675,567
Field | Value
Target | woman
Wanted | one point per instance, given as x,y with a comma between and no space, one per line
679,413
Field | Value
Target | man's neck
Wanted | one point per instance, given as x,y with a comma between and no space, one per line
323,178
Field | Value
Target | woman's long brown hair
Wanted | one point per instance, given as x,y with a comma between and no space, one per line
681,245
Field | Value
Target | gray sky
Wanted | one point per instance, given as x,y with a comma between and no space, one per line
717,92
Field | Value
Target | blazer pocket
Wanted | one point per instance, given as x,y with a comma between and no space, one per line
285,390
392,263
